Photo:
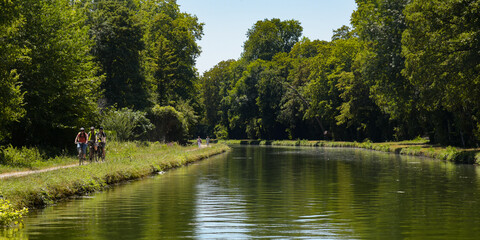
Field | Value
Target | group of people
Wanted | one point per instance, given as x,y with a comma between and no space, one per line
199,141
97,140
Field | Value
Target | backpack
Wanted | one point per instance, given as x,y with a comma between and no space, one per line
101,135
82,135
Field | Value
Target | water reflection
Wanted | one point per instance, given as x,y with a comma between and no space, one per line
279,192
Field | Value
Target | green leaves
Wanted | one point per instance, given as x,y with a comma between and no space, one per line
127,124
61,61
269,37
170,125
8,215
57,75
118,42
441,47
11,96
171,49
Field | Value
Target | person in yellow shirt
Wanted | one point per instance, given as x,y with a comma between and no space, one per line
102,141
92,143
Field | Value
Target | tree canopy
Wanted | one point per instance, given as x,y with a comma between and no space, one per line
269,37
65,62
403,69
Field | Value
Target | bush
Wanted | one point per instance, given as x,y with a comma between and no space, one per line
189,116
170,125
23,157
8,215
221,132
127,124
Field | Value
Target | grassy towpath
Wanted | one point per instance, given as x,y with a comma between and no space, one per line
27,172
125,161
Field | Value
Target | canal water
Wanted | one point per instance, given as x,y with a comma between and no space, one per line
279,193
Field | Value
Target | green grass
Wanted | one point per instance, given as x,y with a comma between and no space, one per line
125,161
416,147
24,159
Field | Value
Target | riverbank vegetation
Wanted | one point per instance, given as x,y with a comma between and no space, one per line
9,216
125,161
403,69
417,147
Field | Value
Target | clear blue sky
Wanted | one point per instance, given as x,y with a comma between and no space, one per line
227,22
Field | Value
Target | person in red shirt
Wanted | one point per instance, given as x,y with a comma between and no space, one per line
81,141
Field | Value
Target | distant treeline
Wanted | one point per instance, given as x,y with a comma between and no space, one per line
404,69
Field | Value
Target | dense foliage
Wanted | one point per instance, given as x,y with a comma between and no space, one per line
64,63
405,69
126,124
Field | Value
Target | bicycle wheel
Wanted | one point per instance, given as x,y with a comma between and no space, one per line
90,153
80,156
103,153
97,154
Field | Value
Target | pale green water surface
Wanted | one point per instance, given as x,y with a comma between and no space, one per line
279,193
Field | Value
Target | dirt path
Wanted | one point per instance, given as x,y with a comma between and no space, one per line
195,149
23,173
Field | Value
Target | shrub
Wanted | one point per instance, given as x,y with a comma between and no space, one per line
170,125
189,116
8,215
20,157
221,132
127,124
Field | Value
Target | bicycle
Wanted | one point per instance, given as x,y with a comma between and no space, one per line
101,151
81,154
92,152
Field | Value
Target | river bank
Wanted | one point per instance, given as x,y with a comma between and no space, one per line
125,161
418,147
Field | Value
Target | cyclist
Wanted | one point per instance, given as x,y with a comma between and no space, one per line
81,141
102,141
92,143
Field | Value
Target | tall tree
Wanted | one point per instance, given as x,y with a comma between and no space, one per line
118,42
214,86
243,112
60,79
442,50
358,116
380,24
11,97
270,91
320,89
294,102
171,50
269,37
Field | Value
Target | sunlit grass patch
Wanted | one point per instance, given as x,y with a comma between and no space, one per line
124,161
